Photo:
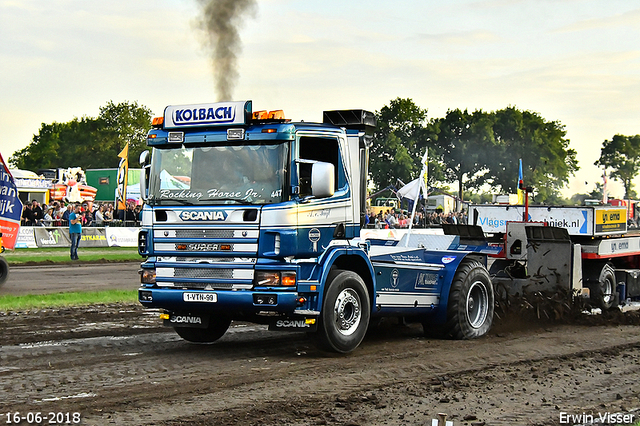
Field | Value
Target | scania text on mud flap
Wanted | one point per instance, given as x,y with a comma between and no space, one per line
249,216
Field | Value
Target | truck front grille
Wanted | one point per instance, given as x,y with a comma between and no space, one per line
203,273
204,233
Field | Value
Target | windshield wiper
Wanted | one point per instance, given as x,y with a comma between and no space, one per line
235,200
172,201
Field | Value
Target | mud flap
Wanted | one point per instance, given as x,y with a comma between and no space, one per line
186,320
297,324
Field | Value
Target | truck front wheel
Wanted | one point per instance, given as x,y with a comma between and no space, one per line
471,302
216,329
345,312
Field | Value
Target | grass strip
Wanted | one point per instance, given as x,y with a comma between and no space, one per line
61,255
54,300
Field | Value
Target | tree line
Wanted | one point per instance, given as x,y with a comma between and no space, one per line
88,142
472,150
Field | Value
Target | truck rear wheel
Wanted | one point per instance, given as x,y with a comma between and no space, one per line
345,313
471,302
217,327
4,270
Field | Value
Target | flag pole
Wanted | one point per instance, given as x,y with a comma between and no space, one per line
421,188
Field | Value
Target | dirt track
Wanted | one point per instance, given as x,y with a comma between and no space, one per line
114,365
79,276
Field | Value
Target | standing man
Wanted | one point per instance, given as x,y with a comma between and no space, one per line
75,230
28,217
38,213
99,216
67,212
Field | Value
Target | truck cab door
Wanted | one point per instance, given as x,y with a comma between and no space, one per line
322,210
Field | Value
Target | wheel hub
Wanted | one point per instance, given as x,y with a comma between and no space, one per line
348,311
477,305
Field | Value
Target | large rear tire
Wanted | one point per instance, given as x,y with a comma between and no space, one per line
217,327
345,313
471,303
4,270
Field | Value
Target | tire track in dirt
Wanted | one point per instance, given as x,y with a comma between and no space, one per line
252,377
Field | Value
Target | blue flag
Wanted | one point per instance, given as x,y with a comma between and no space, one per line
520,185
10,207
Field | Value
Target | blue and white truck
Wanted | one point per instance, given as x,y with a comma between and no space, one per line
251,217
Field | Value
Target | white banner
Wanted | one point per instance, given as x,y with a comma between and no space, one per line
122,237
26,238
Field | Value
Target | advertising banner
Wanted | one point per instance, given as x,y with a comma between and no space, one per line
51,237
26,238
93,237
583,220
59,237
611,220
10,207
41,237
122,237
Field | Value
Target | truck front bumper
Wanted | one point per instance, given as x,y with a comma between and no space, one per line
220,301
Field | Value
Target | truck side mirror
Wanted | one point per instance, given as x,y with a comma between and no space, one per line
144,158
145,162
322,180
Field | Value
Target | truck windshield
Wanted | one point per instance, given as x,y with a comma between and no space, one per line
232,174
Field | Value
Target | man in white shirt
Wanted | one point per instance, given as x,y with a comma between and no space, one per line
99,217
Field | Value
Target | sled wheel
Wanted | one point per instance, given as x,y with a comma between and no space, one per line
345,314
4,270
471,302
217,327
604,293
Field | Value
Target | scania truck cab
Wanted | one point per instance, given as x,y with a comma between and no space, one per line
249,216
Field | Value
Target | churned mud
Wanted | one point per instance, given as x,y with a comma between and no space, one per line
114,364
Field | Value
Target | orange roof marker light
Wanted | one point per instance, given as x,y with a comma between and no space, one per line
157,122
275,115
260,115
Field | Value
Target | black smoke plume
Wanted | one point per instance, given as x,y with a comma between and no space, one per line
221,21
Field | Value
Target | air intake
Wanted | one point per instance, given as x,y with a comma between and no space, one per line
357,119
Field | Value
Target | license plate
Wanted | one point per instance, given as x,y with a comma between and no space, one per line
200,297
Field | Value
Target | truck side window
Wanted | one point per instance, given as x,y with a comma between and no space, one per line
317,149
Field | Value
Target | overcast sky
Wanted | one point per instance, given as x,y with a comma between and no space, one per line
572,61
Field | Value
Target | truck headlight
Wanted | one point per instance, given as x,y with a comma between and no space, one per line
275,279
148,276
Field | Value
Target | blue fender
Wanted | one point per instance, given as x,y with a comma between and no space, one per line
333,256
440,314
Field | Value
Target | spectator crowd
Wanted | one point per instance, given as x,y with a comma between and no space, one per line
92,214
394,219
104,214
